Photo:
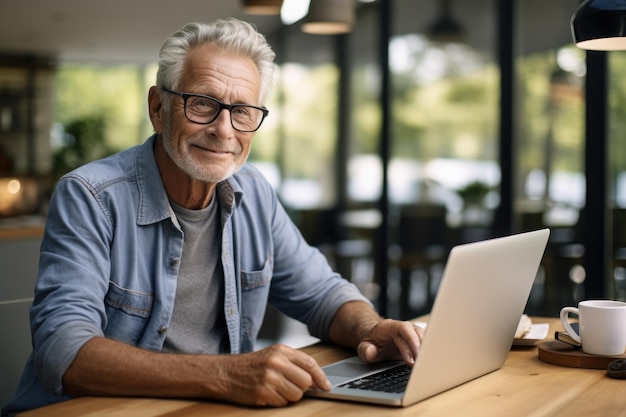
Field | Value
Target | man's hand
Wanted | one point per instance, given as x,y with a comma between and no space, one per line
358,326
391,339
274,376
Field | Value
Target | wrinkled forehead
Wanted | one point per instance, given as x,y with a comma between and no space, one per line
221,73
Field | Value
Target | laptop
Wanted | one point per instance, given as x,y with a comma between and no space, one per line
481,298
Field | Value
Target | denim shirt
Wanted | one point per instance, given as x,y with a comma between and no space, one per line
111,253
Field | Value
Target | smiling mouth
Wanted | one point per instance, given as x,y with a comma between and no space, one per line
214,151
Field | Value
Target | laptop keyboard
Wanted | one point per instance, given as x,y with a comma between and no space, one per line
392,380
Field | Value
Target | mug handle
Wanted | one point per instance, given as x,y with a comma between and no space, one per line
565,312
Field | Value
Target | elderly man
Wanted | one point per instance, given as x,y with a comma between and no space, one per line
157,263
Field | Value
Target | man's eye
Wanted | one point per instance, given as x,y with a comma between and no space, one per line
203,103
243,111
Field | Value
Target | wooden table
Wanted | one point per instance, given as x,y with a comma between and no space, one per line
524,386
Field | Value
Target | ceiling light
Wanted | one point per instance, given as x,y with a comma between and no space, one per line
600,25
262,7
446,29
293,10
329,17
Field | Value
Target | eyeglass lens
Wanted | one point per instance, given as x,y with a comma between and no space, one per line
205,110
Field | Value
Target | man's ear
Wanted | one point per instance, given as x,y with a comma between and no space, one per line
155,109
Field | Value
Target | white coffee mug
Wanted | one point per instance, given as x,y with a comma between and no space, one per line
602,326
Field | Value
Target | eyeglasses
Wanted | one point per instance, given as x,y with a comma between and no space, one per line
204,110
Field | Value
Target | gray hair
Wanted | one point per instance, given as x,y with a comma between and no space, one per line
230,34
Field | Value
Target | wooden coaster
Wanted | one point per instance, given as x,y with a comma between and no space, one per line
563,354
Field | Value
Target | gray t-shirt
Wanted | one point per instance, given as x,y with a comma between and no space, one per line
198,324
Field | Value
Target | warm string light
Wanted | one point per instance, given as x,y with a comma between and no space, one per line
10,196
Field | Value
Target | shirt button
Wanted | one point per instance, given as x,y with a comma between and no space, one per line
163,330
175,262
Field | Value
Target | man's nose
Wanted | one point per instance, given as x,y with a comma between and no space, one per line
223,122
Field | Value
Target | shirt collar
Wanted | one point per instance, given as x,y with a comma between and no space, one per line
153,201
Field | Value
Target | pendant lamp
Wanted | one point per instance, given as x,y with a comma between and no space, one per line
329,17
262,7
445,29
600,25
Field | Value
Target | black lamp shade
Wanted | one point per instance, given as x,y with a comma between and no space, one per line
329,17
262,7
600,25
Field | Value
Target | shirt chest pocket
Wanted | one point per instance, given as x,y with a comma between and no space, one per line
251,280
127,312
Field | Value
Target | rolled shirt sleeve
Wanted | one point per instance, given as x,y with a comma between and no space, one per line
73,279
304,285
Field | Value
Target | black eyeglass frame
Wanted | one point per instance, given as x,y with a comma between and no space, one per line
222,106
